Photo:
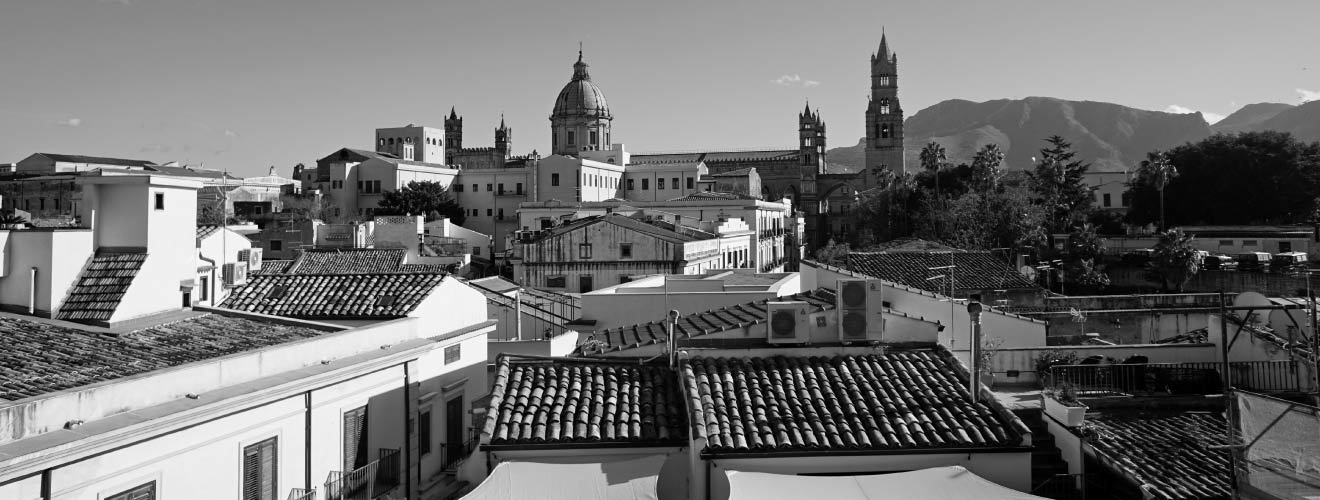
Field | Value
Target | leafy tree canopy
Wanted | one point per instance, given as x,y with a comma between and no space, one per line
1174,261
1057,182
427,198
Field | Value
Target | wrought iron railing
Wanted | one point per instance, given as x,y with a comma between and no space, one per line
1062,487
451,454
367,482
1175,378
301,494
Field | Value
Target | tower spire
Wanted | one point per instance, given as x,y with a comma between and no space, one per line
580,67
453,115
884,46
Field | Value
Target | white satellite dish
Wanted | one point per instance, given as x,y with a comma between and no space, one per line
1028,271
1252,299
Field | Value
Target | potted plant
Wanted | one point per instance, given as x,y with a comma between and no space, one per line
1061,404
989,348
11,220
1047,359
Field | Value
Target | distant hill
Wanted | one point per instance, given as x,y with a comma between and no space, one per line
1110,135
1250,117
1303,122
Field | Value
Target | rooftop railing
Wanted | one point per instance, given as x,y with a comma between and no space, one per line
1175,378
368,482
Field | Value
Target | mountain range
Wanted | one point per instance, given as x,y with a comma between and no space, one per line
1111,136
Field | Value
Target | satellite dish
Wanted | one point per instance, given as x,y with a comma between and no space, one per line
1249,300
1028,271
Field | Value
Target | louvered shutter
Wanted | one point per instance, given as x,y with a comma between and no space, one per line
259,470
355,438
144,492
251,473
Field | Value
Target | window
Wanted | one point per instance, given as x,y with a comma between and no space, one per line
1225,243
259,466
675,183
205,287
1249,243
625,250
885,132
458,188
555,281
475,188
160,201
453,353
884,81
690,183
630,184
1285,246
1108,201
584,251
57,203
572,138
646,184
501,214
41,204
554,179
660,183
489,212
593,137
424,432
884,106
476,250
277,245
276,292
489,187
519,188
385,301
355,438
501,190
143,492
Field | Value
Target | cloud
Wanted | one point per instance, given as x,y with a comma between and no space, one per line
1210,118
794,80
230,133
1309,95
71,122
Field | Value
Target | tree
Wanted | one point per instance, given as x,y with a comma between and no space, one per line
833,254
1174,261
1057,182
211,215
985,168
1247,178
1157,169
309,207
933,159
1080,251
426,198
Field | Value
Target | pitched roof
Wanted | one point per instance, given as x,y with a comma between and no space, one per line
101,285
705,323
896,400
193,172
742,172
274,266
718,156
206,230
98,160
660,230
352,261
41,357
333,296
563,401
710,195
1169,454
974,270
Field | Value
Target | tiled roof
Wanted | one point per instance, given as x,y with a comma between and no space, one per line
717,156
742,172
206,230
541,402
1170,454
101,286
710,195
658,230
333,296
705,323
191,172
974,270
352,261
41,357
98,160
898,400
910,245
274,266
427,268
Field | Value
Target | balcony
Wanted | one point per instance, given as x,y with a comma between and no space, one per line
1140,379
368,482
771,265
771,233
508,192
301,494
452,454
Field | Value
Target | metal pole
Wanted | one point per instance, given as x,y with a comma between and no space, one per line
974,385
517,307
673,356
1229,403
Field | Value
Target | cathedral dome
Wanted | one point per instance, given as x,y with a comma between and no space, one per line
581,97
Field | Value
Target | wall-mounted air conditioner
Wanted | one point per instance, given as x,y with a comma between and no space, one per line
254,259
235,273
861,310
789,322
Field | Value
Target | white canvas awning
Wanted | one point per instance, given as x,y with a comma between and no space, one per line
928,484
623,479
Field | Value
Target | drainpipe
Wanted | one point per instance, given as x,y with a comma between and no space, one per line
32,292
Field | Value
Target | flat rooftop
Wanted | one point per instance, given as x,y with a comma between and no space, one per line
43,356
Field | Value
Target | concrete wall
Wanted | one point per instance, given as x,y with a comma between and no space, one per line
645,182
170,232
1270,284
27,249
482,202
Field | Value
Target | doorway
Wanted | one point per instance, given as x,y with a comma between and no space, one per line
584,284
453,447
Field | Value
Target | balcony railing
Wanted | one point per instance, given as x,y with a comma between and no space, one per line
451,454
301,494
1175,378
1061,487
367,482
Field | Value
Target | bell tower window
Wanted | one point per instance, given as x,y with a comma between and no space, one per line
885,131
884,106
884,81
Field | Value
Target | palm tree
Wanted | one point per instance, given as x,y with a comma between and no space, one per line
933,158
1157,168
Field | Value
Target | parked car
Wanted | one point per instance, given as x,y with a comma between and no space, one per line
1219,262
1253,261
1288,262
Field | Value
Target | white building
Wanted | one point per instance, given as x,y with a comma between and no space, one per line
652,297
354,181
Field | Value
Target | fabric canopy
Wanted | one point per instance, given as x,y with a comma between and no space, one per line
629,479
935,483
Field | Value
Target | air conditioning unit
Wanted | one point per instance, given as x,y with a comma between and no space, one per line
861,310
254,259
235,273
789,322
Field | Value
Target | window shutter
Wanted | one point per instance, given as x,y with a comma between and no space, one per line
251,471
143,492
259,466
355,439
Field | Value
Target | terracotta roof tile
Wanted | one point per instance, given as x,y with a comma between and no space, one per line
101,286
538,402
974,271
274,266
1168,453
333,296
41,358
352,261
898,400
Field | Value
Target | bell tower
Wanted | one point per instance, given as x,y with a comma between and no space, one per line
884,115
503,138
453,136
811,140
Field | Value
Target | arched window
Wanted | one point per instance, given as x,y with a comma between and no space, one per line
382,142
391,141
884,106
885,131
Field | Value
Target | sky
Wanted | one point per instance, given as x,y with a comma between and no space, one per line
244,85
